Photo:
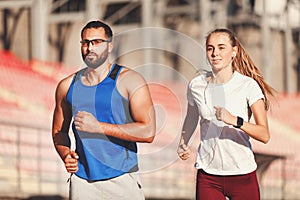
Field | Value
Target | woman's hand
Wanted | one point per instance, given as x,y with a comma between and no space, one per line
183,151
223,115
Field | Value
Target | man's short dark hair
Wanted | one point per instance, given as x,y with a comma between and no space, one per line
98,24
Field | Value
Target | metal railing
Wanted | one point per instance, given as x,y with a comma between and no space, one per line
29,164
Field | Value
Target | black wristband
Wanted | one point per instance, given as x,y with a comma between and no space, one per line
240,122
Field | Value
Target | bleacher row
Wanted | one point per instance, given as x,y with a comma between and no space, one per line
27,88
285,109
28,160
29,164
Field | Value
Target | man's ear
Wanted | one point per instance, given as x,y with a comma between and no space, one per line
110,47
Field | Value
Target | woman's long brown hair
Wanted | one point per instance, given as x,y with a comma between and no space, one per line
244,64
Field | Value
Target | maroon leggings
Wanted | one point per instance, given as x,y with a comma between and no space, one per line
236,187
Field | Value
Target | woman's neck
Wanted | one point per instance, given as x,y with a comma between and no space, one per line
222,76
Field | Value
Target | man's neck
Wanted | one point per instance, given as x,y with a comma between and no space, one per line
93,76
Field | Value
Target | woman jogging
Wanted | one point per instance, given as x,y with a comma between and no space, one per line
224,100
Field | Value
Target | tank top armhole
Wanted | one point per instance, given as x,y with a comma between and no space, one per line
75,78
115,72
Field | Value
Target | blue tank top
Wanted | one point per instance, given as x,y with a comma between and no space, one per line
100,156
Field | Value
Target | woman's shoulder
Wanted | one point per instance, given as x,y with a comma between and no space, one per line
202,77
243,78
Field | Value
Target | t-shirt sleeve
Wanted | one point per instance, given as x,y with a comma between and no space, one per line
190,97
254,92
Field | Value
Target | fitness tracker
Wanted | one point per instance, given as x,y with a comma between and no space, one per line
240,122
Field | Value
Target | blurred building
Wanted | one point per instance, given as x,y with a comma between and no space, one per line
164,40
50,29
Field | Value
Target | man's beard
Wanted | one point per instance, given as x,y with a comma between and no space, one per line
96,60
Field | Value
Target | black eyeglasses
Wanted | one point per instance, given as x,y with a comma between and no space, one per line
96,42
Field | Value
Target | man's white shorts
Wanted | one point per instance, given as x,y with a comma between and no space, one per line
125,187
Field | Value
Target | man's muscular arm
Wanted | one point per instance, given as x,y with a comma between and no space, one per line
132,86
62,117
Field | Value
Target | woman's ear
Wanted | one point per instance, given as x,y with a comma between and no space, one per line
235,50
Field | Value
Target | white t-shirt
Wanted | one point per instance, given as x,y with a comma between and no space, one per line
224,150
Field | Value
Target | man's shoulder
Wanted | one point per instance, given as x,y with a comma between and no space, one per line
70,76
128,73
67,79
65,83
129,81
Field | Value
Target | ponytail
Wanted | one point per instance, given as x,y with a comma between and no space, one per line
244,65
